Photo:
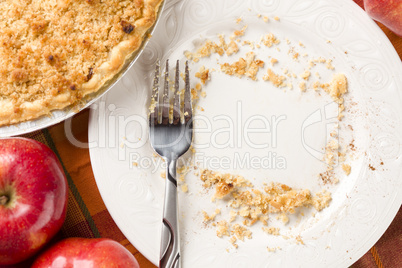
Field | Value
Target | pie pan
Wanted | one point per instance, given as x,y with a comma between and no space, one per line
58,116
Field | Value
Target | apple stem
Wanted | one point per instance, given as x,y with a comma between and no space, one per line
3,200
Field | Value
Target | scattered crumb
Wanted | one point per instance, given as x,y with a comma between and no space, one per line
321,200
203,75
338,86
271,249
251,44
299,240
233,240
302,86
184,188
277,80
329,64
188,55
346,168
249,205
232,48
269,40
248,67
271,230
331,152
305,75
240,32
233,215
222,228
240,232
284,218
208,218
255,205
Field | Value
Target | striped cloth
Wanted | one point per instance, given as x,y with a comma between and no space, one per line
87,215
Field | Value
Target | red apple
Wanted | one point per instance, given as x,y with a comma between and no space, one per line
33,198
86,253
388,12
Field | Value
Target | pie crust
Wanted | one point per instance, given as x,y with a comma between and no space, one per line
55,52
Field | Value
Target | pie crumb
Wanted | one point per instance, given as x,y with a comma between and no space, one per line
223,229
271,249
184,188
346,168
208,218
302,86
277,80
299,240
203,74
270,39
271,230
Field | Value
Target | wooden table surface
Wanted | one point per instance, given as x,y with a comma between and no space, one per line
95,221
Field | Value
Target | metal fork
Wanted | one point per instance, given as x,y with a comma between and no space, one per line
170,137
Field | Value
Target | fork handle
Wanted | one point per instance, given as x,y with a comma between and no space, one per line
170,244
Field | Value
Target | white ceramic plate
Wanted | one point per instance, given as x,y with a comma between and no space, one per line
364,203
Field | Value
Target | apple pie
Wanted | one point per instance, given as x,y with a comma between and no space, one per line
55,52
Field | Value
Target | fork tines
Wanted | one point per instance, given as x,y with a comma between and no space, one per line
163,113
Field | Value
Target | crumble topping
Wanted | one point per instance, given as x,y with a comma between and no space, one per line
53,53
